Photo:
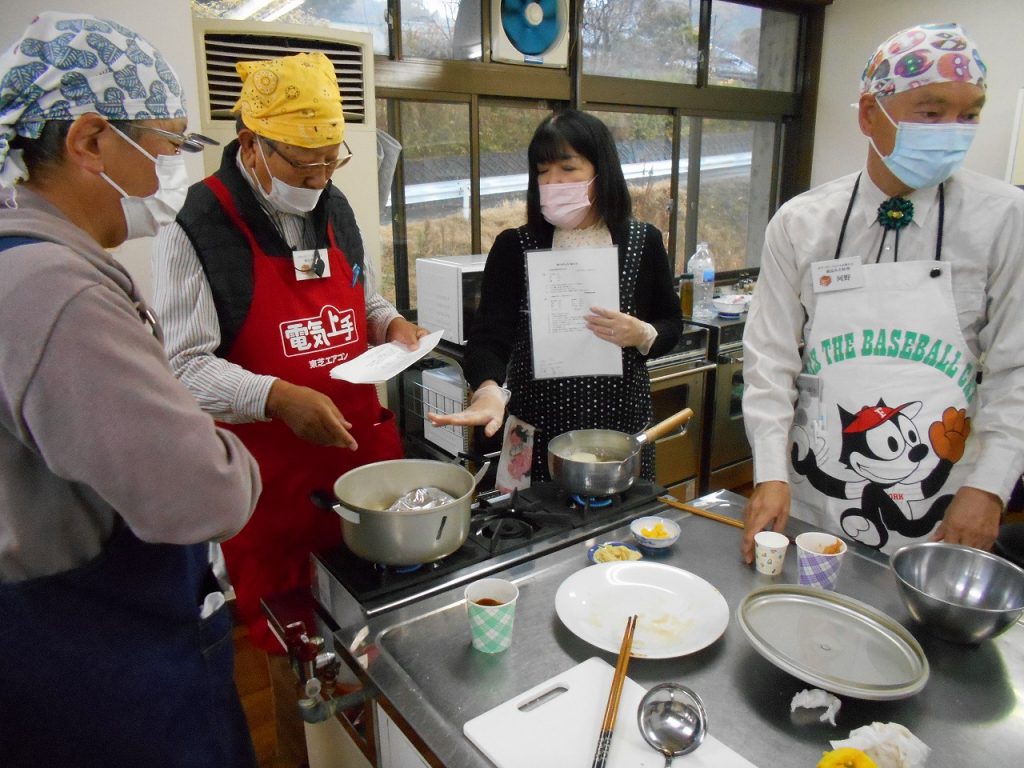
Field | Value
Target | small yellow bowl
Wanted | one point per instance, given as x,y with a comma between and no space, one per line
654,532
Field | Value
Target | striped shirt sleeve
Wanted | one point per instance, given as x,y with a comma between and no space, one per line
184,304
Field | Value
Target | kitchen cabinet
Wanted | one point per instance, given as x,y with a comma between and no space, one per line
394,747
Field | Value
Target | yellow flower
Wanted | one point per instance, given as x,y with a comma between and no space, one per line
847,757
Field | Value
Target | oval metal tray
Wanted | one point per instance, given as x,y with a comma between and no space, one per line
834,642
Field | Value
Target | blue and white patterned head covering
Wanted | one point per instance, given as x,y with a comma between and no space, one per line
67,65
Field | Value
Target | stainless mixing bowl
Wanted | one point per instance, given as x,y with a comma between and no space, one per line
959,593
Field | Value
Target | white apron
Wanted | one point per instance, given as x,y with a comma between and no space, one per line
885,400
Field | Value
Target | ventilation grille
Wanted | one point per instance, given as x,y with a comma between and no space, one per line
224,50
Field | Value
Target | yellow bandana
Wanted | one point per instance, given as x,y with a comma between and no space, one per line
294,100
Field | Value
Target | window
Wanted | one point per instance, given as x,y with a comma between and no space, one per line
644,39
434,192
733,210
441,29
701,96
505,133
752,48
644,142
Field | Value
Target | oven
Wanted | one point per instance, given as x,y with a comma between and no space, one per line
680,380
729,463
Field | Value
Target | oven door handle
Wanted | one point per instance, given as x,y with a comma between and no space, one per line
681,374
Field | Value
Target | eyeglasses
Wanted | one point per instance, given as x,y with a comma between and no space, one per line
188,142
330,166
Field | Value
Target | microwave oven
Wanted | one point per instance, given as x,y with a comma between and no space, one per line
448,293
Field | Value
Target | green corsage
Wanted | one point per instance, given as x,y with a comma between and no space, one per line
895,213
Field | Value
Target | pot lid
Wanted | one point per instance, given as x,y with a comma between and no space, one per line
834,642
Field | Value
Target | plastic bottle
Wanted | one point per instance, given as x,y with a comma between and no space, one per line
702,265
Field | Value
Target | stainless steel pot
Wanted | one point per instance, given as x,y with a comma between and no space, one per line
403,538
617,454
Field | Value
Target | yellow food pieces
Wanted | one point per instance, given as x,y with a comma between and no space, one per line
846,757
657,532
608,553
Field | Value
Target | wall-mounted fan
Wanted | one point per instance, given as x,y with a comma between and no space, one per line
530,32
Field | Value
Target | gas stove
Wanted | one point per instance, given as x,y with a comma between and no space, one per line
504,530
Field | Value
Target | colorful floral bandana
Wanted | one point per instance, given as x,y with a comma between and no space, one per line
294,100
67,65
922,55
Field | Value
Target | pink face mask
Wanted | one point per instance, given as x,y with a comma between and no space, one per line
565,205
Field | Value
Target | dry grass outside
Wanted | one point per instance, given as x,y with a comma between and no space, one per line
723,225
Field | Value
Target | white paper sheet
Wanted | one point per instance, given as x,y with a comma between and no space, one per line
384,362
564,284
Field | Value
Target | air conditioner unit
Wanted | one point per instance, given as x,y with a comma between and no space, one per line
221,43
530,32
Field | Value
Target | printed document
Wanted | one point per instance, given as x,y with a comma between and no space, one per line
564,284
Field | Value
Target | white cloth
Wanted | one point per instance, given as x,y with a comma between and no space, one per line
184,304
890,745
815,698
983,240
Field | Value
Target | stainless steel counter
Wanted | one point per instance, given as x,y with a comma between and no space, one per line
419,657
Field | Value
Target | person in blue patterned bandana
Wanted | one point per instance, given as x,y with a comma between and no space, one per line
115,645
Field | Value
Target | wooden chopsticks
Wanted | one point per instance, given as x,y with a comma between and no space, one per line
701,512
604,741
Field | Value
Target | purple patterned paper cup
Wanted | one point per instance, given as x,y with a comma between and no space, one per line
815,568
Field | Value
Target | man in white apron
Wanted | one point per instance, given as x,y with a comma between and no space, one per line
903,418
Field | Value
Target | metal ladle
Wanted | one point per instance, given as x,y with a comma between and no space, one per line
672,720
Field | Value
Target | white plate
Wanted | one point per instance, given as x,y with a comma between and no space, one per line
679,613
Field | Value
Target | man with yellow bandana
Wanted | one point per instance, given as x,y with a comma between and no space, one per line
262,286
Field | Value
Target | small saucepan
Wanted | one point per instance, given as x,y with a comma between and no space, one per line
600,462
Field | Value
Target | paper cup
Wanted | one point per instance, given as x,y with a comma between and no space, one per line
770,552
817,569
491,604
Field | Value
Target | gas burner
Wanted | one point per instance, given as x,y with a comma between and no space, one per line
591,502
384,569
505,531
527,523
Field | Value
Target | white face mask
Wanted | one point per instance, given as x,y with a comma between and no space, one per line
143,216
285,197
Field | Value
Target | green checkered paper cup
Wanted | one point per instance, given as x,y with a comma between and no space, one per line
491,604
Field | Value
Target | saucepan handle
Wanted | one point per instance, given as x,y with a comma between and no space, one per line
664,427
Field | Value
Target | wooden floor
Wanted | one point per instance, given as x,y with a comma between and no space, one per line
253,682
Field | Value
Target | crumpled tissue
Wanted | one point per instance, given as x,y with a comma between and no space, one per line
890,745
814,698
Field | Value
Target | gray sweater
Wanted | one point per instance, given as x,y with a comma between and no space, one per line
93,424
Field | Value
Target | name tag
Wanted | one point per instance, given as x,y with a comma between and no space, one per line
312,264
837,275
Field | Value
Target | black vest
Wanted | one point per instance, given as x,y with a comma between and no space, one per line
224,251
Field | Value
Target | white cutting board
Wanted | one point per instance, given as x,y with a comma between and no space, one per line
562,730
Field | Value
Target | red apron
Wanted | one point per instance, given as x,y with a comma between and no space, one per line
297,331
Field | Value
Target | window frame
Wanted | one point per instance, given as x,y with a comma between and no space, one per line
793,113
